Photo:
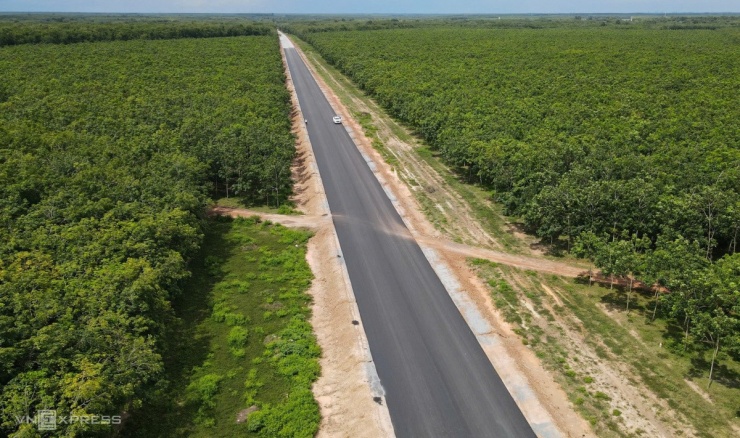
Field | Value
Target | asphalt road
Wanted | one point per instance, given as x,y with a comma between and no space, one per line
437,379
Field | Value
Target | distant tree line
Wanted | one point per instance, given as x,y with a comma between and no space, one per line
14,33
305,25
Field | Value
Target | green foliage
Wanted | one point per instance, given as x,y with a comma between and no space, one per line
108,153
204,389
238,339
625,141
703,298
201,392
305,25
298,417
223,312
267,362
647,149
78,31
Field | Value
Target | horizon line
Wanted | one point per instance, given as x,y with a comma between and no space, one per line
379,13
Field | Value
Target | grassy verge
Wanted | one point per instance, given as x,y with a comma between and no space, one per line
371,131
234,202
654,357
488,214
244,341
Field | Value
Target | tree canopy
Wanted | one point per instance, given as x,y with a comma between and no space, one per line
109,152
618,142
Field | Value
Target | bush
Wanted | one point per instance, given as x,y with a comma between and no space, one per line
238,337
204,389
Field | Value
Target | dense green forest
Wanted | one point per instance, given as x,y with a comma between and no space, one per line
12,32
302,25
618,142
109,153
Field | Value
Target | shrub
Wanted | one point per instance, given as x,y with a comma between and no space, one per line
238,337
204,389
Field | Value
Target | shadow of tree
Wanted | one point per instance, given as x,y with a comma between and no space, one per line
674,336
168,413
723,375
616,299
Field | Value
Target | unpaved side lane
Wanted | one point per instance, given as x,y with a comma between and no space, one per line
437,378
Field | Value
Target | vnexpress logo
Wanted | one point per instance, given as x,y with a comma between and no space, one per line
46,420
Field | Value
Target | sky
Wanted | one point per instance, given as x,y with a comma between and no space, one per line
366,6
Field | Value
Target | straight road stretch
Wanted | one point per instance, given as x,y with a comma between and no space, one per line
437,379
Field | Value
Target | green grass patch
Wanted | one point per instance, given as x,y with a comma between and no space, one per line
243,340
371,131
236,202
486,212
661,369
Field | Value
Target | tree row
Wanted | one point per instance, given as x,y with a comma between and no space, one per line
13,33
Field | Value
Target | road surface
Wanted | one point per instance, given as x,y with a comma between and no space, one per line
437,379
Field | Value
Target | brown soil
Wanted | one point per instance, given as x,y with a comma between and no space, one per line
641,410
517,261
310,222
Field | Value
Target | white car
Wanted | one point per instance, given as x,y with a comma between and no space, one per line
337,119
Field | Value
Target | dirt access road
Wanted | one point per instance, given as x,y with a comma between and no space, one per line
317,222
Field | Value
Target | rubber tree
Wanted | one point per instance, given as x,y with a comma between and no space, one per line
717,308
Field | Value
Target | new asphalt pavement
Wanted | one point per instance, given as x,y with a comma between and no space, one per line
437,379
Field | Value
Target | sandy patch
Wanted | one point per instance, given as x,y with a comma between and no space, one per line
517,261
310,222
552,294
642,412
699,391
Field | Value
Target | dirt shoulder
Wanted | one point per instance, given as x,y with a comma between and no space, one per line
455,220
541,399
